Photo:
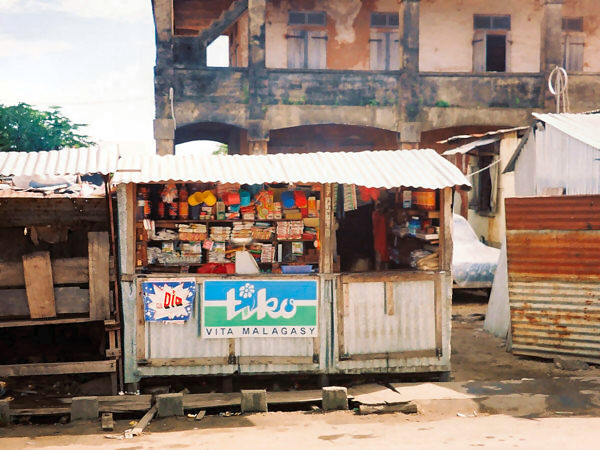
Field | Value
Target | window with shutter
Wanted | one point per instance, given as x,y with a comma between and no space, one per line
296,44
306,40
384,44
572,47
491,43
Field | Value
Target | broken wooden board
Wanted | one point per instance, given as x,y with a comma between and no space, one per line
37,271
98,266
283,397
429,391
200,415
144,421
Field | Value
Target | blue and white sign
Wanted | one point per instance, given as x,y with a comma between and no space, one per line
168,300
256,308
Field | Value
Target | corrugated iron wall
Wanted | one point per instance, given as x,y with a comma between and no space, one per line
553,247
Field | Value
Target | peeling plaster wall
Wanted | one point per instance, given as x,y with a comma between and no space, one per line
590,10
446,33
348,30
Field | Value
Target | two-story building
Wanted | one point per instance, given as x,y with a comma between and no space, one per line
346,75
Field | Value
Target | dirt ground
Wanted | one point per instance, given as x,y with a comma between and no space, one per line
478,355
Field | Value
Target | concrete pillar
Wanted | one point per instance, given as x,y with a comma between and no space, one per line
254,400
169,404
84,408
4,413
257,10
258,147
257,76
164,75
334,398
551,35
409,87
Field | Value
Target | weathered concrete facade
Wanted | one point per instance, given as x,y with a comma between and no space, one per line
430,85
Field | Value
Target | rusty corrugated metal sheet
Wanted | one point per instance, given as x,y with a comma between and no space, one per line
388,169
554,276
550,318
568,212
553,254
69,161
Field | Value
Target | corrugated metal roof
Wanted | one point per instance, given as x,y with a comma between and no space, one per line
410,168
471,145
584,127
69,161
481,135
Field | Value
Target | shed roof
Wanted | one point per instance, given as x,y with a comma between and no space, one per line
69,161
471,145
584,127
385,168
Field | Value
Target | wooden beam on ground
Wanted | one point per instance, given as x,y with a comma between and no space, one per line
144,421
62,368
98,258
203,401
39,285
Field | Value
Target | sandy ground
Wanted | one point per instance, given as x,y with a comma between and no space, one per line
342,430
478,355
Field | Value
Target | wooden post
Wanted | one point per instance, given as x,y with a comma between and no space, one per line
130,217
98,264
446,229
326,229
140,329
39,286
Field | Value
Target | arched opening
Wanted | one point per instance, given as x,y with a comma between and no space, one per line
210,137
331,138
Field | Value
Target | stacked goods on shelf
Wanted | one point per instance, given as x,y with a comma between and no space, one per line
220,234
267,254
290,230
217,253
262,231
241,233
192,232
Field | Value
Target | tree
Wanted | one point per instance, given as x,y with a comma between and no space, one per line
26,129
223,149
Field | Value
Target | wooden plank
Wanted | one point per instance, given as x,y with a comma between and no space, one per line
30,323
201,361
119,403
438,302
144,421
446,229
98,258
50,411
39,285
346,299
64,271
393,355
130,231
28,212
21,370
382,277
203,401
340,318
68,300
140,326
389,299
249,360
325,229
283,397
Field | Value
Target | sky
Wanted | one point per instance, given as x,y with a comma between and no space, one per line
93,58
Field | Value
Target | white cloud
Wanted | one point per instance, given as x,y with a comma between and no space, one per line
127,10
32,48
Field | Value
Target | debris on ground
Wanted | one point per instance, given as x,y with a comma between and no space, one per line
570,364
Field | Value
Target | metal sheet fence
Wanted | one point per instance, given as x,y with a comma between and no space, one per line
554,276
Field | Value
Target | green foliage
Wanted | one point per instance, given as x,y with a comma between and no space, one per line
26,129
222,150
442,104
